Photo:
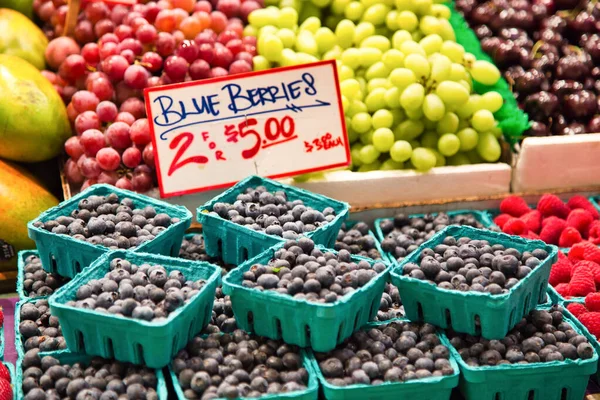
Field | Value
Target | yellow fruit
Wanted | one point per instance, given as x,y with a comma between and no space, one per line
22,38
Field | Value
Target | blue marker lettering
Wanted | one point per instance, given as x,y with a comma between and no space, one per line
169,116
310,81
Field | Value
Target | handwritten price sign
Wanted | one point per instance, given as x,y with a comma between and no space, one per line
210,134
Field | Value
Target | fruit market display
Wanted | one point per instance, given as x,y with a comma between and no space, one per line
552,220
466,265
239,365
403,234
541,336
547,51
111,222
407,86
357,240
396,352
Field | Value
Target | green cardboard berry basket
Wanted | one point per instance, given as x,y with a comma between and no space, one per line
481,216
433,388
310,393
237,243
320,326
555,380
350,224
152,343
66,357
13,378
497,314
66,256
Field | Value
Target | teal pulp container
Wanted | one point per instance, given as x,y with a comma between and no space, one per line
13,378
151,343
66,357
555,380
433,388
481,216
19,343
320,326
65,256
237,243
310,393
463,311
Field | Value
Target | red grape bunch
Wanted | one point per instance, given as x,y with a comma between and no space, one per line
102,80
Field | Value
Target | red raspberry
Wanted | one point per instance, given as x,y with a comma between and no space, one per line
551,205
1,317
6,391
4,374
579,201
592,266
577,309
560,272
551,229
591,320
584,251
501,219
533,220
514,226
592,301
580,220
563,289
582,281
515,206
569,236
531,235
594,230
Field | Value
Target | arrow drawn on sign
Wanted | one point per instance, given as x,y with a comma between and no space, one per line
288,107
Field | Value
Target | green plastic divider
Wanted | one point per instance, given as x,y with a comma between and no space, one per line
464,311
237,243
310,393
511,119
151,343
320,326
481,216
555,380
433,388
66,357
66,256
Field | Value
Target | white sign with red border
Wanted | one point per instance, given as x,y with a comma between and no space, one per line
277,123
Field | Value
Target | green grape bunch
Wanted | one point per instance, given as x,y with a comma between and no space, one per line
407,86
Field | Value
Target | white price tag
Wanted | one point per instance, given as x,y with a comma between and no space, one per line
212,133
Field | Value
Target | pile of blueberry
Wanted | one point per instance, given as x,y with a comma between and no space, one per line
39,329
474,265
305,272
194,249
36,281
146,292
391,305
395,352
110,222
238,365
222,319
402,235
100,380
357,240
541,336
273,213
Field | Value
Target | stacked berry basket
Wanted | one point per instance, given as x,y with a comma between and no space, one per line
319,310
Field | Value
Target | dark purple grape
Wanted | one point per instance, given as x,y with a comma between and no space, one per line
564,87
540,106
574,128
593,125
572,67
580,105
537,129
